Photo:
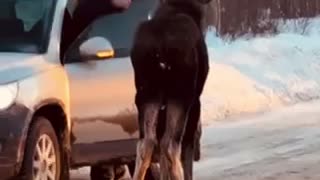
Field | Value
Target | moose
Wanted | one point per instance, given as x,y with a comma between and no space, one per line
171,64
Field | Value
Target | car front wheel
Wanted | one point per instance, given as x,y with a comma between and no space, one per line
42,160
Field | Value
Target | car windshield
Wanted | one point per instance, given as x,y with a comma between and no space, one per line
25,25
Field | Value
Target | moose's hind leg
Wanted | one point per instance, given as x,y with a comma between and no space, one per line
148,115
191,140
170,145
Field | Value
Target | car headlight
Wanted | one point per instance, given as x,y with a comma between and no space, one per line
8,94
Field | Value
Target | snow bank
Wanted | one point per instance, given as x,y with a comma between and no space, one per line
257,74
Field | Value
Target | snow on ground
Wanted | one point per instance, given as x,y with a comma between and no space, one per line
250,75
279,145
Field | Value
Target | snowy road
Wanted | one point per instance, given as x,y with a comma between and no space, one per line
281,145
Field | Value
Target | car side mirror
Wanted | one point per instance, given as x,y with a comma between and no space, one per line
96,48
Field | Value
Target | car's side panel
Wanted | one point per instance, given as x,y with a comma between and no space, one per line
102,101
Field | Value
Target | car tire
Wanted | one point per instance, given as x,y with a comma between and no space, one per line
42,154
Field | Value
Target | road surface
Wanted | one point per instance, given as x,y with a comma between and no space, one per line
280,145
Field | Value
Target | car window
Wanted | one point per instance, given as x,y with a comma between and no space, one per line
25,25
119,28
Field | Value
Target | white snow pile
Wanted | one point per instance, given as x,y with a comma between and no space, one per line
261,73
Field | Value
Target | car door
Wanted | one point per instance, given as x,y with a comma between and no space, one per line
102,92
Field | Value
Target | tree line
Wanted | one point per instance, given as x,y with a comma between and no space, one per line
238,17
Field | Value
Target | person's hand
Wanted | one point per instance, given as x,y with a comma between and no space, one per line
123,4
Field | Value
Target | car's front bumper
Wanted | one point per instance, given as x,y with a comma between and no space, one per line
13,127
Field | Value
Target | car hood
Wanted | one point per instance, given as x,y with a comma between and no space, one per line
15,67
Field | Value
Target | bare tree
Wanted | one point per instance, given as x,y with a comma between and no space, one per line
236,18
